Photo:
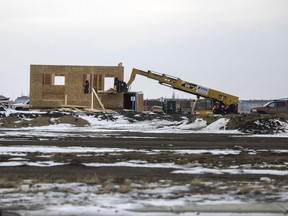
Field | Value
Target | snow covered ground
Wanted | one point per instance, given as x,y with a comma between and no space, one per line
88,199
79,197
101,127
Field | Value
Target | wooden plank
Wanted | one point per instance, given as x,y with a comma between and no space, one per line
94,92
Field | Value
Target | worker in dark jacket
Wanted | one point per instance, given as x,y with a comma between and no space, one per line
86,87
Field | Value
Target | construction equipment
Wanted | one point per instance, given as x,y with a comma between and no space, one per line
213,101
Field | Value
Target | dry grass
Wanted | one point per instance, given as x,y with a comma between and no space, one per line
245,189
60,181
141,184
196,182
5,183
108,186
181,161
91,179
65,190
249,189
257,191
125,187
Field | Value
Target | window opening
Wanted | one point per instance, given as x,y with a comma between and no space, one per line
272,105
59,80
208,104
200,105
281,104
108,83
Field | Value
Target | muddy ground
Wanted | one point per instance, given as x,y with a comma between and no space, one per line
255,153
75,171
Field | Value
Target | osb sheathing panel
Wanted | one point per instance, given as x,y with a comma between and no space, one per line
74,87
53,92
112,101
50,95
109,101
108,71
36,83
139,102
47,104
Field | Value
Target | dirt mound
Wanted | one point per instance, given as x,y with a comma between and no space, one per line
18,120
247,123
148,116
76,121
258,123
208,118
11,122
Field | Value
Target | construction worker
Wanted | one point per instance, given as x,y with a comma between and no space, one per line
86,87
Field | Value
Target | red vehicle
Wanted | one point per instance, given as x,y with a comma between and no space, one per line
272,107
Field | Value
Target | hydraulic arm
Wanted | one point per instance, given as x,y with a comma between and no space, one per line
200,91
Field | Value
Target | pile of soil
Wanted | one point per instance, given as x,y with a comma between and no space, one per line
258,123
246,123
18,120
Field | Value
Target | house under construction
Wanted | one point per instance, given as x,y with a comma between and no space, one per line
54,86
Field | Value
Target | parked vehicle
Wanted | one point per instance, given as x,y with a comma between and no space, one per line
4,101
272,107
2,107
21,103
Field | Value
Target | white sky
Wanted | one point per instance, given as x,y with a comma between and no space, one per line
236,46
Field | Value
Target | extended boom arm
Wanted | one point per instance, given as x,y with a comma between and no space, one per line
185,86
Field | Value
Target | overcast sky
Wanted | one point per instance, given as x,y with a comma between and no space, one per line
236,46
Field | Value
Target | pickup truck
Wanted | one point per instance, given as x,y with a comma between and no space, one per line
272,107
